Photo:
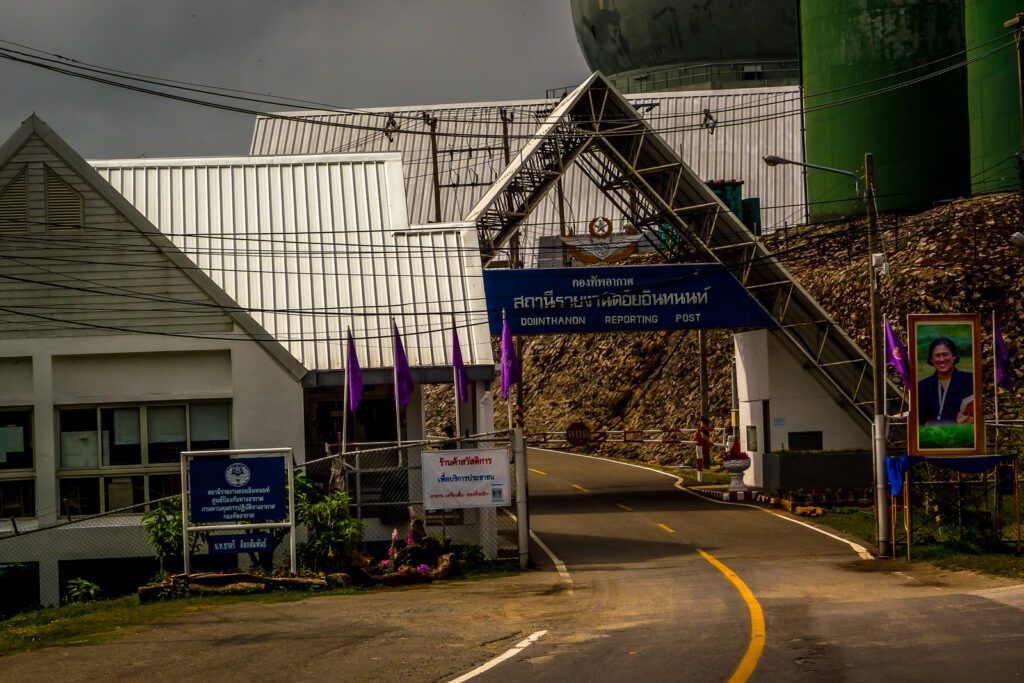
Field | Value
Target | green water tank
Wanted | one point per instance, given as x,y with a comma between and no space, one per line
993,95
860,60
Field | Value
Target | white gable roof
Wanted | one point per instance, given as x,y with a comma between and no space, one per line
188,295
311,245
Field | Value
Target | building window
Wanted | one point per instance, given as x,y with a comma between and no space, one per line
115,457
80,496
805,441
16,440
121,436
166,433
17,466
17,498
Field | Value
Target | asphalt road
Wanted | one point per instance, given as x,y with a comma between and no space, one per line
650,606
641,602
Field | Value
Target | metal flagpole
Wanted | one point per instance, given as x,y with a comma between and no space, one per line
344,393
508,401
995,379
1016,496
394,376
455,387
908,517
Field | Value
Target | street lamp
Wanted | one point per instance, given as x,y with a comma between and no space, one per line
773,160
876,263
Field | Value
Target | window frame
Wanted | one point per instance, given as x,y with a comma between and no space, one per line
23,474
103,473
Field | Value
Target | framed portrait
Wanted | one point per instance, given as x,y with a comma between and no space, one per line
946,409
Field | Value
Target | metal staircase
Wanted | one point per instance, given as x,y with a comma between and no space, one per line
595,127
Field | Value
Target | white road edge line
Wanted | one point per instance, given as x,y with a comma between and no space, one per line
856,547
519,647
563,571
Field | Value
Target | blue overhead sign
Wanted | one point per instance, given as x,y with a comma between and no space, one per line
230,490
621,299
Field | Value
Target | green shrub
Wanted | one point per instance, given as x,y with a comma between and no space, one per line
81,590
332,532
164,529
470,558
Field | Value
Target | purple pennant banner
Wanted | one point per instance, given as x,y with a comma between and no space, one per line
510,370
461,379
896,354
403,375
354,375
1004,368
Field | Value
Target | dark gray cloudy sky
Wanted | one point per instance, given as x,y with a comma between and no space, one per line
351,53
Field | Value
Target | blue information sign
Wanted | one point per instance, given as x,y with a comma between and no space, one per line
621,299
229,490
229,544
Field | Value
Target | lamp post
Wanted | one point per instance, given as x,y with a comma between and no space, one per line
876,263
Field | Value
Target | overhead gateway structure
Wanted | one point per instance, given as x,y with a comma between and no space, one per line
595,128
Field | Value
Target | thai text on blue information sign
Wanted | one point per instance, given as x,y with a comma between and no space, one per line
229,544
620,299
230,490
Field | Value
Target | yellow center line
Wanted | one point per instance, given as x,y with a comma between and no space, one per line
667,528
758,634
624,507
577,486
538,471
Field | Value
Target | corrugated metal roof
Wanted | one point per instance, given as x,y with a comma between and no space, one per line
747,124
313,244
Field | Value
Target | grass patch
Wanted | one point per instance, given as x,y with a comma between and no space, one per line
856,522
88,623
96,622
949,555
957,556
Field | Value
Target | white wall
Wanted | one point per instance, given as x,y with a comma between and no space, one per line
266,400
767,370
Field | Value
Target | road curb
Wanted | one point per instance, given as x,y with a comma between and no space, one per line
731,496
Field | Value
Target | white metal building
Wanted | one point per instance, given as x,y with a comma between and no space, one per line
153,306
721,134
315,245
116,353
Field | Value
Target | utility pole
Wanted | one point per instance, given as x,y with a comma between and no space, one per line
702,390
431,122
879,426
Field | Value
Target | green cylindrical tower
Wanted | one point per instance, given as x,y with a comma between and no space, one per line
860,61
993,95
660,45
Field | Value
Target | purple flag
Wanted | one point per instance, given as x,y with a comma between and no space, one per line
1004,369
461,380
896,354
510,371
403,375
354,375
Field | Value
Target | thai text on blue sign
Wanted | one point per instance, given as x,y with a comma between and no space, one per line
238,489
620,299
228,544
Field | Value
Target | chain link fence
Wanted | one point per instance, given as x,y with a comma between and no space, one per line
385,489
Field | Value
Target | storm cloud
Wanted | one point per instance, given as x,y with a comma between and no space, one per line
349,54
